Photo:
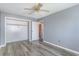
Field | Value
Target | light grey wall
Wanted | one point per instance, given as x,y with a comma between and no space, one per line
62,28
2,24
0,28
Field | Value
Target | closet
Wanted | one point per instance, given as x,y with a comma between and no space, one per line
16,30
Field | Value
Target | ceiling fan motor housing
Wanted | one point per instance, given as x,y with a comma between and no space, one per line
37,7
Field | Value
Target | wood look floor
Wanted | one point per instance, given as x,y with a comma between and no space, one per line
23,48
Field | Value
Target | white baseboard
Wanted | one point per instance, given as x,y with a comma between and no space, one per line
66,49
2,46
14,41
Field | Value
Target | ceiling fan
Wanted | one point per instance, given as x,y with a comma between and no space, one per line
36,8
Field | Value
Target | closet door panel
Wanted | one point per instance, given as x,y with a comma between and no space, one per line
16,31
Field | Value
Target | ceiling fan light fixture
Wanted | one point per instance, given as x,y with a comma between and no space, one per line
36,8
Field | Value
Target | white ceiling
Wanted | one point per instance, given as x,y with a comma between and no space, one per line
18,8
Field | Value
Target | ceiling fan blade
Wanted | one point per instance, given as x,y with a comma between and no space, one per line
27,9
44,10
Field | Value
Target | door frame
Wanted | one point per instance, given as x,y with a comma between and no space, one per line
12,18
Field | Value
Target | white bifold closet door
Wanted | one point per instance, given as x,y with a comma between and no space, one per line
16,30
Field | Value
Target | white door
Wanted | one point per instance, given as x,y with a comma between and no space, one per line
16,30
35,31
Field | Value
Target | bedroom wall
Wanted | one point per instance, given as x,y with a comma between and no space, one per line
0,28
62,28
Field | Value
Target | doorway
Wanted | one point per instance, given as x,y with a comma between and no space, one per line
37,31
40,26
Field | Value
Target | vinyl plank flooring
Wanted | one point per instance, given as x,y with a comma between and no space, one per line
23,48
